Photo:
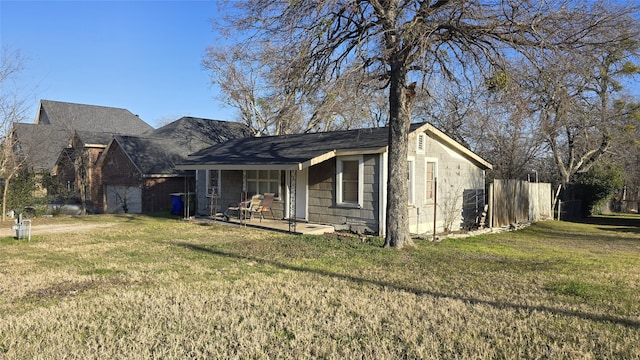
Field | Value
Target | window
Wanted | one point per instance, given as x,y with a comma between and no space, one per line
410,179
213,187
349,181
420,143
263,181
430,179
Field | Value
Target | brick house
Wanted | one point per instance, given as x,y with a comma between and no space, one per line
139,171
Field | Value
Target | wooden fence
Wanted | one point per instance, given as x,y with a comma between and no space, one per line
518,201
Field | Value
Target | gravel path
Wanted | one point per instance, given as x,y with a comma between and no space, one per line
6,231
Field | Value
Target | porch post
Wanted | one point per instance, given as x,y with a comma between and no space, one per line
292,200
243,196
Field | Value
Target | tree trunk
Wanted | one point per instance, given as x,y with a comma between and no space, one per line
4,198
397,234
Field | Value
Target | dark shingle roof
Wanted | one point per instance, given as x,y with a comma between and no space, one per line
302,150
193,134
152,156
157,153
41,144
94,138
83,117
290,149
57,122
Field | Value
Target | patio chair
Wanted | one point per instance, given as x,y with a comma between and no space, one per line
247,208
243,208
265,206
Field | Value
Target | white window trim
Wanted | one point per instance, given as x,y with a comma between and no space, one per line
435,176
339,161
412,179
421,139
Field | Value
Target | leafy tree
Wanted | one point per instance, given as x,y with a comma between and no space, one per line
597,185
625,150
23,187
406,44
12,111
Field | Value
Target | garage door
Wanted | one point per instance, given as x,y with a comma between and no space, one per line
119,195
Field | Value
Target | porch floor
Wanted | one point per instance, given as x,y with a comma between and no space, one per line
301,228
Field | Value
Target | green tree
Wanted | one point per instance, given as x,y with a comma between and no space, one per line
597,185
12,111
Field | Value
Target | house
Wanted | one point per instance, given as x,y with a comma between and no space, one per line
61,129
138,172
76,171
56,123
339,178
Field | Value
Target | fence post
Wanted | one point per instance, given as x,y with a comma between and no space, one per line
559,208
490,200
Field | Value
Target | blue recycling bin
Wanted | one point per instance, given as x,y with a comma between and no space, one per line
178,202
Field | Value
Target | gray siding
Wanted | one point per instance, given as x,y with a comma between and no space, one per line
231,191
460,186
322,197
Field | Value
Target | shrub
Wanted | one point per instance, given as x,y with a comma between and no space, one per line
597,185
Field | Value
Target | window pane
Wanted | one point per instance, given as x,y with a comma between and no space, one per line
350,181
263,187
213,178
430,180
350,170
350,192
252,186
263,181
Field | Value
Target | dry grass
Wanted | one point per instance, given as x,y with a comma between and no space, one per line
161,288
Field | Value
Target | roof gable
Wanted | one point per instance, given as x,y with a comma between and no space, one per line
92,138
151,156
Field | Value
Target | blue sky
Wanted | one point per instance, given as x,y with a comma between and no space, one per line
144,56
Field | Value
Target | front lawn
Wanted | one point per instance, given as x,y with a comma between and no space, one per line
161,288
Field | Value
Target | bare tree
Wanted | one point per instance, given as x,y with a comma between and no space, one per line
404,43
12,111
451,107
574,97
272,98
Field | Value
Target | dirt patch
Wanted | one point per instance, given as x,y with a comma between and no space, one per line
73,288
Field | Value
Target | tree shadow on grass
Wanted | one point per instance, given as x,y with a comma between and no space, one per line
630,221
496,304
617,223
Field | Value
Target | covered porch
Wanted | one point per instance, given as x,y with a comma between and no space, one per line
297,227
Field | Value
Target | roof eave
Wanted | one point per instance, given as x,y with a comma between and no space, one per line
282,167
456,146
